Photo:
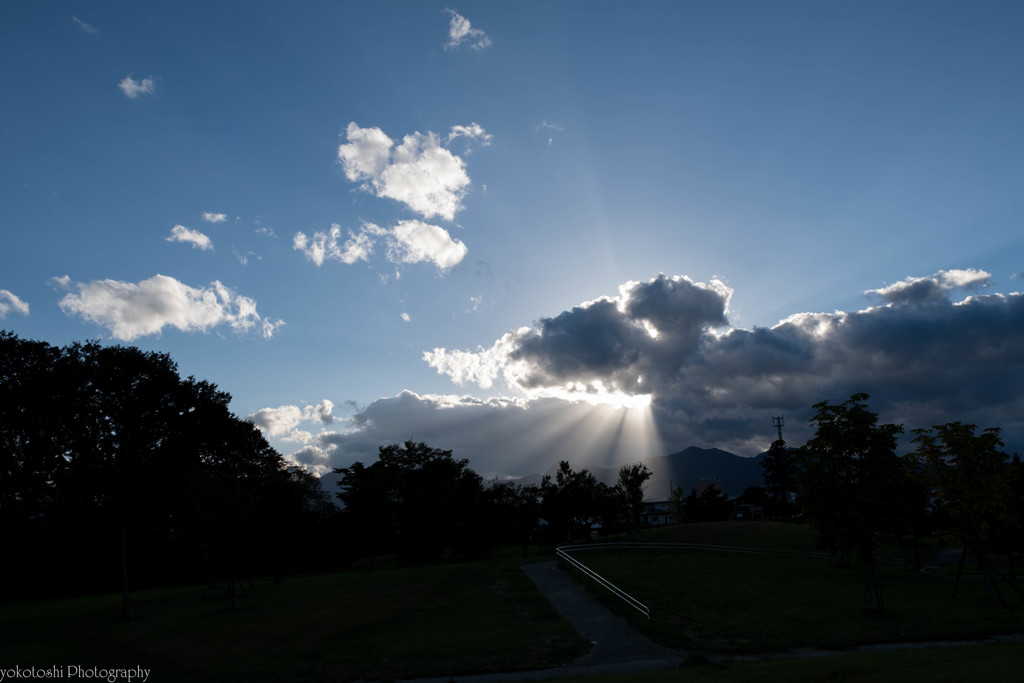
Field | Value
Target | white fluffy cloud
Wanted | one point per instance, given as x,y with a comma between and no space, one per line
11,303
133,88
462,34
312,458
324,411
278,421
211,217
419,172
473,131
416,242
408,242
284,421
366,154
60,282
931,289
131,310
326,246
179,233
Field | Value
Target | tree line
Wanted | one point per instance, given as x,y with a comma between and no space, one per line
958,485
111,464
116,472
419,503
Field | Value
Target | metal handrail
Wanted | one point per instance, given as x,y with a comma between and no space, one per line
716,548
618,592
564,551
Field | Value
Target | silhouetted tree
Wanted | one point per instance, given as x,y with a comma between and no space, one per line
514,512
1010,540
918,515
849,476
710,505
780,474
677,504
632,478
569,502
971,476
103,443
369,500
612,507
418,501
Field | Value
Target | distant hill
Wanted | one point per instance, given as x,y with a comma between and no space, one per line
682,469
676,469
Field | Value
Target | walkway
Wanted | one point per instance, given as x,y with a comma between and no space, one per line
617,646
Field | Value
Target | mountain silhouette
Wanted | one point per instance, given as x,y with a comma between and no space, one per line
682,469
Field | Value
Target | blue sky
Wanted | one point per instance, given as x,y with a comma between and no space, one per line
527,231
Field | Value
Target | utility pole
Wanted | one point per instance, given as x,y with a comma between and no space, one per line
778,422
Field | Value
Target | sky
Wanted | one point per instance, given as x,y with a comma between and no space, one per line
527,231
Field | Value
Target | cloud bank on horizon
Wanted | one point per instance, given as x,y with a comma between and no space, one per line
929,351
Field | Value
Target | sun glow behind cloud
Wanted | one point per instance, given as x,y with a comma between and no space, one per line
606,430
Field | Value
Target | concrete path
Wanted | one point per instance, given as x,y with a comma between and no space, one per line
614,639
616,645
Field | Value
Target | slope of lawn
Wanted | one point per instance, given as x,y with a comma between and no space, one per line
725,602
748,534
359,624
995,663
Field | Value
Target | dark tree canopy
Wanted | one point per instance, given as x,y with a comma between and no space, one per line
415,500
849,476
574,502
780,479
96,442
514,510
971,477
632,478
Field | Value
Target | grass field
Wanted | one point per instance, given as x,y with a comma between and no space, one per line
385,624
749,534
750,603
397,622
993,663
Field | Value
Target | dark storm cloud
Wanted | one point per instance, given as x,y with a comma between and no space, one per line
677,307
923,357
923,364
499,436
622,341
586,343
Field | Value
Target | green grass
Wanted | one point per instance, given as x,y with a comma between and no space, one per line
734,603
385,624
977,663
748,534
456,619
